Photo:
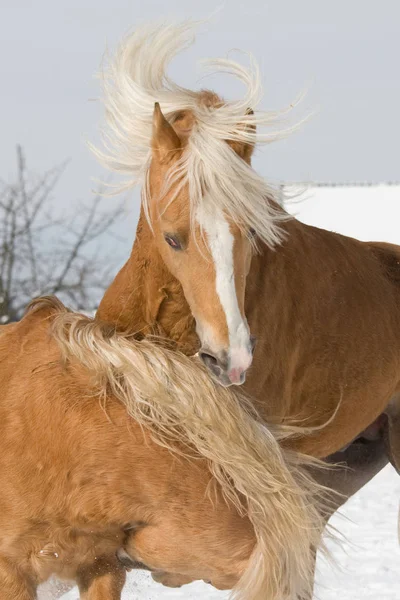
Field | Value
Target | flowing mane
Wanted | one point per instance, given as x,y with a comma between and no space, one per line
135,79
174,397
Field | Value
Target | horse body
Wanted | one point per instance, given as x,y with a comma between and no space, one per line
324,307
326,312
77,479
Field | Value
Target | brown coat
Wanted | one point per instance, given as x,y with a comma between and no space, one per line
325,309
79,480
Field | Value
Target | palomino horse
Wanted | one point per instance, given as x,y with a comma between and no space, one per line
216,257
123,453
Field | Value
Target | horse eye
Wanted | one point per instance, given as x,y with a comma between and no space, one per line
252,233
173,242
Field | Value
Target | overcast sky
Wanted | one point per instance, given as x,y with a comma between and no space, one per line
347,50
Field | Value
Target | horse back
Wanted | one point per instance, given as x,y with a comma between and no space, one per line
389,257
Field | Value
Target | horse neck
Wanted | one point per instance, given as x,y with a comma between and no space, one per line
145,298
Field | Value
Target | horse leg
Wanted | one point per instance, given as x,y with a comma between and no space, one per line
361,462
102,580
392,433
13,584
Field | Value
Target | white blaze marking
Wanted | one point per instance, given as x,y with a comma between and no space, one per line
220,241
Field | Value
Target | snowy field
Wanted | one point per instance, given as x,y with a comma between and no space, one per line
367,563
365,212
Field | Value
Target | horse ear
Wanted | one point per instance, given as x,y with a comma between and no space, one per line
245,149
164,141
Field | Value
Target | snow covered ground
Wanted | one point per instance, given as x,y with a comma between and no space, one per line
367,563
364,212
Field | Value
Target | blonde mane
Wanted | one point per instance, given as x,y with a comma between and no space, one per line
135,79
173,396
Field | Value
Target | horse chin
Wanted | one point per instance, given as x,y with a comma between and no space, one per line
225,382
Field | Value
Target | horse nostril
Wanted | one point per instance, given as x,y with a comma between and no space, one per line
253,341
208,359
217,365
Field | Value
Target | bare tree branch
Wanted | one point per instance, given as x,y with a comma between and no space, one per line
44,254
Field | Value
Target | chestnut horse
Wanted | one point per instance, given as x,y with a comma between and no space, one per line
216,260
118,453
216,257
